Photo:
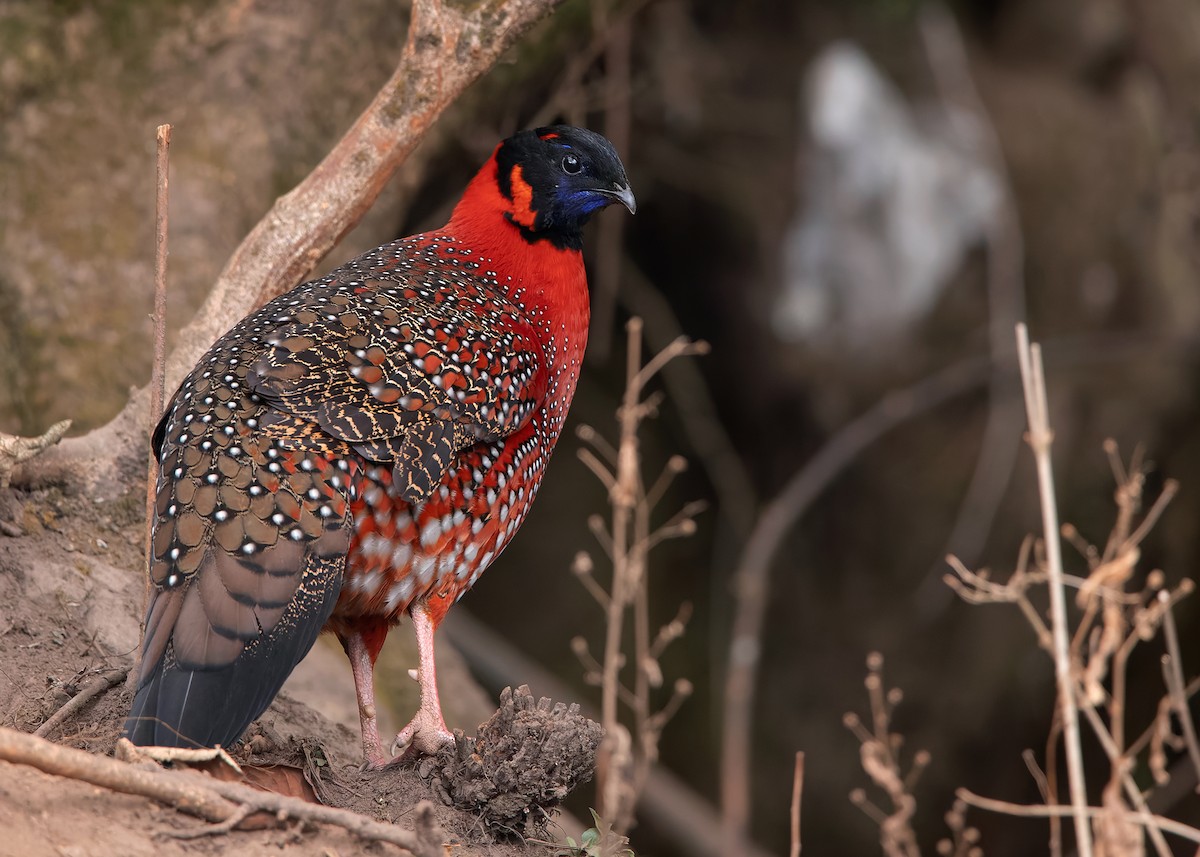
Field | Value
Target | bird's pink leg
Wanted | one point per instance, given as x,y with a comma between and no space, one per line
362,665
426,733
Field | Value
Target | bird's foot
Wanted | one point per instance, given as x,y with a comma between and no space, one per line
425,735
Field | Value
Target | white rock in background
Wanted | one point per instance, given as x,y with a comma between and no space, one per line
891,201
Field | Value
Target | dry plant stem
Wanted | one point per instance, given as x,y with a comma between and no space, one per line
879,755
643,727
752,579
446,50
1056,834
95,687
1040,437
162,137
187,795
1121,772
222,827
205,797
797,793
1175,684
622,497
1166,825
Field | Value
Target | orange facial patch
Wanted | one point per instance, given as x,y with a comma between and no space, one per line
522,196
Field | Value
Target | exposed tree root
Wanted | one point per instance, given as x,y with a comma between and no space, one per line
213,800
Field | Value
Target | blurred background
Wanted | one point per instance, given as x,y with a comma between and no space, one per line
852,201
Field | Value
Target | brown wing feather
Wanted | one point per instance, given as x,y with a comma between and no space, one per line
385,359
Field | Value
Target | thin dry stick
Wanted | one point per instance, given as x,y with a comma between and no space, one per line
1175,683
158,369
797,789
1121,770
97,686
1166,825
622,498
641,642
1040,437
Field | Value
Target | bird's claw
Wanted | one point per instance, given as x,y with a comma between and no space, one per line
420,738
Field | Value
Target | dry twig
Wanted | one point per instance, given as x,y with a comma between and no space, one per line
94,688
1166,825
880,757
1040,437
159,366
1177,692
797,792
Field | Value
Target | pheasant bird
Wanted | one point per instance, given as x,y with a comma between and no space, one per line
365,445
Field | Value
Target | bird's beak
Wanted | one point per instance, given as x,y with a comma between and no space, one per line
622,194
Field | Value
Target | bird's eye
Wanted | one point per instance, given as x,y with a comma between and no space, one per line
571,164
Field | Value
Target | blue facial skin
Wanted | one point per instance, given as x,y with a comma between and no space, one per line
582,204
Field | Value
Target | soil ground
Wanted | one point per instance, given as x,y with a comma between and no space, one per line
70,599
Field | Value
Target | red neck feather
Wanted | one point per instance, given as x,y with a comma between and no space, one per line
549,281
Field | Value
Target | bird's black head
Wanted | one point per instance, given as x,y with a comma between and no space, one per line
556,178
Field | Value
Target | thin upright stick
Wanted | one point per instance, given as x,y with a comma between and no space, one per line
158,370
1040,437
797,791
1176,684
623,498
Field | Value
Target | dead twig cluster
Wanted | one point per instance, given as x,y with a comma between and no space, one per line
627,754
1116,613
879,753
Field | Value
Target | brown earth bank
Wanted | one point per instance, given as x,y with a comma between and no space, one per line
70,602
